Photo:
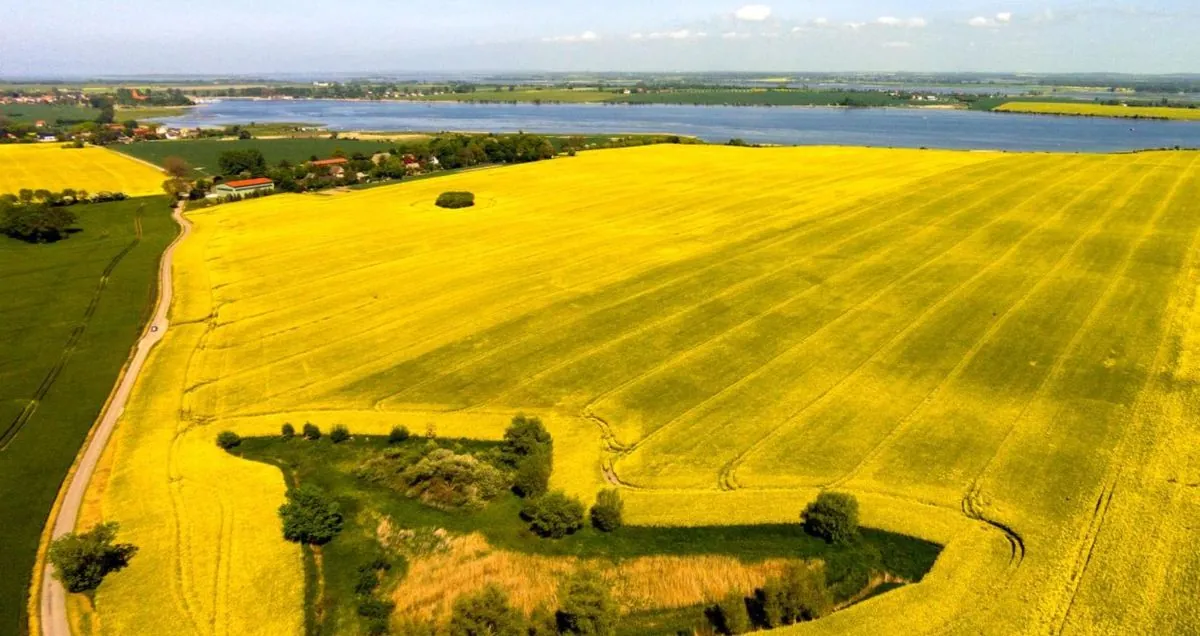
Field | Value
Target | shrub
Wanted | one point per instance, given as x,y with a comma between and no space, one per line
848,571
339,434
729,616
607,513
832,517
533,475
375,608
287,431
228,439
81,561
525,436
553,515
486,612
309,516
444,479
455,200
311,432
799,595
586,606
399,435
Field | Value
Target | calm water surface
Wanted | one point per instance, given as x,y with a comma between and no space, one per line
910,128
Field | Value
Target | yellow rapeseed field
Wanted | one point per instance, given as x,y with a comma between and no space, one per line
52,167
992,351
1101,110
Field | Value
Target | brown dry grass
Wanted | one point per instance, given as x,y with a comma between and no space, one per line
660,582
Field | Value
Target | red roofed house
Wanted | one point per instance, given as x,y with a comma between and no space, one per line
332,166
243,187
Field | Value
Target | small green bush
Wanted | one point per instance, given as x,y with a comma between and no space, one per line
586,605
311,432
832,517
607,513
486,612
399,435
729,616
455,200
310,516
287,431
533,475
339,434
228,439
553,515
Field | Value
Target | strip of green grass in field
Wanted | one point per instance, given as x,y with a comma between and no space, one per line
330,467
49,290
204,153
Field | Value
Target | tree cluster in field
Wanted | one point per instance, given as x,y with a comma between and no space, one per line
803,592
455,200
82,560
585,607
39,216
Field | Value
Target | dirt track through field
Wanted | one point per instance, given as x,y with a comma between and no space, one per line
53,597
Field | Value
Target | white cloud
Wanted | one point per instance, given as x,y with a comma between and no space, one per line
912,23
897,45
636,36
733,35
821,22
753,13
855,25
1000,20
586,36
681,34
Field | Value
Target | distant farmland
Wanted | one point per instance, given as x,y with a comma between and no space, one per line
204,153
1101,110
50,166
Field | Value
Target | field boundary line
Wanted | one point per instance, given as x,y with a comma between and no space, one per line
902,426
728,476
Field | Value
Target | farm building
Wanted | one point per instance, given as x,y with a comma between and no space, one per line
243,187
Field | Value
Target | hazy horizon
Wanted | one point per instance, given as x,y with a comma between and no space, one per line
303,36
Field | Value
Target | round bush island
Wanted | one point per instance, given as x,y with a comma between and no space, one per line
456,200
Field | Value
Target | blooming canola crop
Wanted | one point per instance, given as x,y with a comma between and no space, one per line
992,351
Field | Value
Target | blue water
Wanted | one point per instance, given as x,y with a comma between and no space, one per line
909,128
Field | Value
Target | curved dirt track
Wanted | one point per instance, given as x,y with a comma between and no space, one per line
53,602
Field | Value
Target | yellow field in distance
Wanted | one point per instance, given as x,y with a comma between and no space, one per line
992,351
1101,110
51,167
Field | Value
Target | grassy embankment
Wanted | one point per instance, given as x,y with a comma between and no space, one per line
69,314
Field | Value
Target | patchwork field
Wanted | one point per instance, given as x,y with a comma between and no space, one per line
69,313
992,351
1101,110
203,154
52,167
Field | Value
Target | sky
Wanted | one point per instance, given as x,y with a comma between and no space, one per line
88,37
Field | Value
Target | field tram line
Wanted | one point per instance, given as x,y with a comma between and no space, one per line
728,475
767,363
722,482
18,423
836,213
998,324
731,290
565,293
1116,469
